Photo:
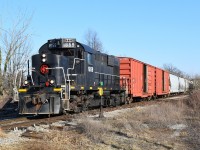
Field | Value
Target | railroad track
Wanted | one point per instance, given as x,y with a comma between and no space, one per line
22,122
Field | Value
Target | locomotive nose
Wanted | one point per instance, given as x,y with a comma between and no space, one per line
49,67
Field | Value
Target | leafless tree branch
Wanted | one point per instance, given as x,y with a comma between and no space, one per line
14,51
174,70
92,40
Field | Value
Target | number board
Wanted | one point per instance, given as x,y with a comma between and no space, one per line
90,69
55,43
68,43
61,43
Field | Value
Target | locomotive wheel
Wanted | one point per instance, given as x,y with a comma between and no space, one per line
84,107
74,107
108,102
114,103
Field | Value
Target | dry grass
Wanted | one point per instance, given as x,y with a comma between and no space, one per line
133,128
194,103
107,132
94,129
165,114
154,116
55,140
143,125
193,120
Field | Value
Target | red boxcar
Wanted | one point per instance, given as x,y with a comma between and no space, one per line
162,82
140,77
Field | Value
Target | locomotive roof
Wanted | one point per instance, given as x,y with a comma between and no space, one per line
87,48
90,50
44,48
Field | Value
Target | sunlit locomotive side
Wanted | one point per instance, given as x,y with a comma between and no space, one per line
66,76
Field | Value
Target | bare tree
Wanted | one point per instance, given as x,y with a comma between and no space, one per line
174,70
92,40
196,81
14,51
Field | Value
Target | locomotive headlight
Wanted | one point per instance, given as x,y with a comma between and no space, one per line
44,59
25,82
52,81
43,55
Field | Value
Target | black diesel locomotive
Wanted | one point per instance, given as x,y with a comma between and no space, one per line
66,76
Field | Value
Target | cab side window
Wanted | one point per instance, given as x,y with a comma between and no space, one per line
89,58
80,54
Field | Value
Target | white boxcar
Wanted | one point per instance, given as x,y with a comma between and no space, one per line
174,83
182,86
187,84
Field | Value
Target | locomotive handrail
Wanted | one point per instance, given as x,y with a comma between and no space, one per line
107,74
63,75
112,75
65,83
73,66
20,70
69,74
20,82
33,69
125,78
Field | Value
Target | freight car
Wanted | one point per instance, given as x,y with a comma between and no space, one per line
67,75
179,85
144,80
140,78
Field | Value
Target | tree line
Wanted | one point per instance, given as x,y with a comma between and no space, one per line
15,47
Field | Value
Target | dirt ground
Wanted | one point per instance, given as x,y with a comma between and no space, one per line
168,125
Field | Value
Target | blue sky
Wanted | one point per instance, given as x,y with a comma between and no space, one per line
154,31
